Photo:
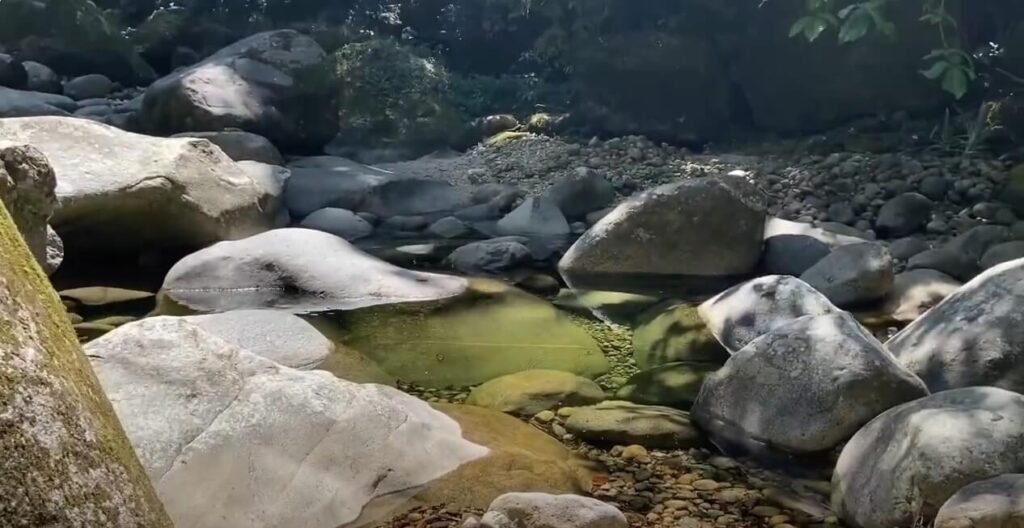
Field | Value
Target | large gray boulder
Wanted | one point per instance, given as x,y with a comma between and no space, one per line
278,336
18,103
41,78
903,215
27,186
803,387
697,227
271,181
124,191
241,146
902,467
543,510
298,270
235,440
489,257
961,257
747,311
853,274
91,86
580,192
278,84
66,461
975,337
993,503
535,217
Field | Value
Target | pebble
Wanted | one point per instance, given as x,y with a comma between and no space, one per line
705,485
544,416
635,452
765,511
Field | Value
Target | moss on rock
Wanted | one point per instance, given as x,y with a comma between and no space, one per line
66,461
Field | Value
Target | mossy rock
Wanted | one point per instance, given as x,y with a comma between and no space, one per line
672,334
66,460
488,331
617,307
532,391
672,385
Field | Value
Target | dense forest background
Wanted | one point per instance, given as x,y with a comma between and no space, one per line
681,71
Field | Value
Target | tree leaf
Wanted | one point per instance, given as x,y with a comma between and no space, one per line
814,29
936,70
955,82
798,26
855,27
845,12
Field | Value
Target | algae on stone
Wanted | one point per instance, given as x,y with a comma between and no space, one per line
675,334
65,459
488,331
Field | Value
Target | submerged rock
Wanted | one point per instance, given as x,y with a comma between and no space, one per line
542,510
488,331
624,423
915,292
904,465
233,439
675,334
65,457
532,391
672,384
278,336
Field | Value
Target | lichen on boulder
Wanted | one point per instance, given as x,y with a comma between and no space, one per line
66,461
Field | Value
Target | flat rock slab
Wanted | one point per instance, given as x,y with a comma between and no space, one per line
624,423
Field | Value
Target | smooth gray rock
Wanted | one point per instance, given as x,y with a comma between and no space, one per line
18,103
297,270
327,181
973,338
904,465
41,78
833,237
338,222
278,336
720,233
853,274
997,502
624,423
536,217
271,180
792,254
581,192
961,257
448,227
906,248
88,87
235,440
489,257
750,310
279,84
241,146
404,223
1000,253
13,73
817,379
129,192
903,215
542,510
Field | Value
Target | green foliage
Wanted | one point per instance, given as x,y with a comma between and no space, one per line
949,65
391,94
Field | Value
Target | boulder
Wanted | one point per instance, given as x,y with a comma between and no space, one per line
298,270
672,384
960,258
529,392
997,502
241,146
235,440
581,192
13,73
905,464
853,274
487,331
696,227
27,188
448,227
624,423
535,217
489,257
271,180
747,311
676,333
975,337
338,222
608,306
831,235
792,254
17,103
903,215
817,379
122,191
74,37
278,84
543,510
89,86
906,248
41,78
327,181
1000,253
915,292
60,438
278,336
